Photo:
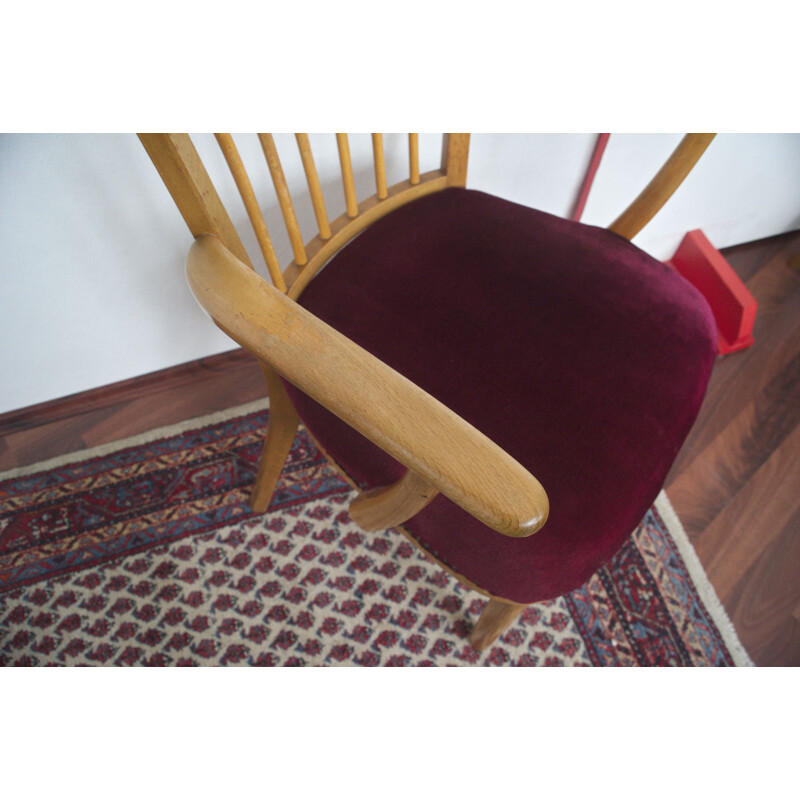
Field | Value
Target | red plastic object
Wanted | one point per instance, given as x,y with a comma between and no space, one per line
734,308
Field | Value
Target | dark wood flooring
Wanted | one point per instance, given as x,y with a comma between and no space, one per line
128,408
735,484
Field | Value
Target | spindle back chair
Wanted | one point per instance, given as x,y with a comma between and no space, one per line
187,180
440,451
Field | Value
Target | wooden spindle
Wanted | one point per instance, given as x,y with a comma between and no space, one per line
455,155
663,185
497,617
413,158
380,165
313,185
284,198
347,175
232,157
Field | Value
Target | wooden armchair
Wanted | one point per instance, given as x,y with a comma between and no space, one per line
459,346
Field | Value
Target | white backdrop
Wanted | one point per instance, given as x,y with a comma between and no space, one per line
92,246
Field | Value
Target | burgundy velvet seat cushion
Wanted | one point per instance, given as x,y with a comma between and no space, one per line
576,352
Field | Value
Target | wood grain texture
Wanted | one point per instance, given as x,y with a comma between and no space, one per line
382,405
314,188
343,144
281,430
129,407
284,197
758,513
455,157
754,434
179,165
413,158
736,482
764,604
388,506
380,166
740,378
402,529
242,181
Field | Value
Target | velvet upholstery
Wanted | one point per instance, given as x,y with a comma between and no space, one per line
575,351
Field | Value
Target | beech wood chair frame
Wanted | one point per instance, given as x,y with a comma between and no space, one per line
442,452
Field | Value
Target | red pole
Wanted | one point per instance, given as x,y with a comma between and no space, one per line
597,155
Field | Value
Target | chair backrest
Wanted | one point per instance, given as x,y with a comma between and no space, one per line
187,180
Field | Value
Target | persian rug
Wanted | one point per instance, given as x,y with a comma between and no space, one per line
145,552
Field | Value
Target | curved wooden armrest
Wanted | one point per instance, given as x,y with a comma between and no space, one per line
385,407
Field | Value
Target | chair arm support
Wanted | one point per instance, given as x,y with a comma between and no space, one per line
385,407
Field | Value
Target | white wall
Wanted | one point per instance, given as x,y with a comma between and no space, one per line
92,247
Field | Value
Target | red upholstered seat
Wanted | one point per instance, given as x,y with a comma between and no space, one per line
576,352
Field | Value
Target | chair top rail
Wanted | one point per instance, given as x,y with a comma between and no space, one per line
183,172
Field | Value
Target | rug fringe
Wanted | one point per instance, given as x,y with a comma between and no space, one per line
701,581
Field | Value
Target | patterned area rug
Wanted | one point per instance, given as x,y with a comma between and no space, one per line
145,552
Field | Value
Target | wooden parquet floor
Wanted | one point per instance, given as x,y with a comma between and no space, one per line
735,484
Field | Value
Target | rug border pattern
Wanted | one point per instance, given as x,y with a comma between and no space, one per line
705,591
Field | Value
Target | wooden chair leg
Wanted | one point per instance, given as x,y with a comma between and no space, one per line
496,618
281,430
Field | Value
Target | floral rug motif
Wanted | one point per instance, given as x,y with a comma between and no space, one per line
145,552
